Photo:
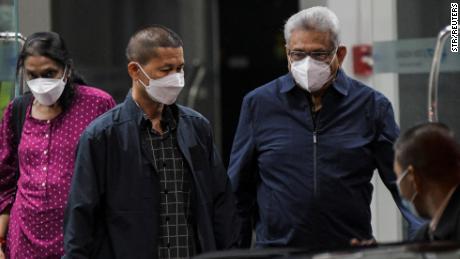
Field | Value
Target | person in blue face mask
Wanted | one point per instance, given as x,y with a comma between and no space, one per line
427,166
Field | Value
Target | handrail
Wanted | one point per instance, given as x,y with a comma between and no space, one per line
196,84
434,75
12,36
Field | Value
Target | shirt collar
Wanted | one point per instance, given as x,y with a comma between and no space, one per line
168,122
437,216
340,83
287,83
139,115
132,109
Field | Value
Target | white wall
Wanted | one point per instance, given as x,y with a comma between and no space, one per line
364,22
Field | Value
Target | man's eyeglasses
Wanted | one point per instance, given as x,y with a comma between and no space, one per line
297,55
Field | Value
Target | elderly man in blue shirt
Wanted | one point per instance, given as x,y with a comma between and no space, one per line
307,145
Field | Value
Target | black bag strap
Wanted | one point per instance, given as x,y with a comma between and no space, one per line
20,105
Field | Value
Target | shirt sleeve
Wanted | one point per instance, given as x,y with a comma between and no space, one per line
8,160
388,132
243,173
81,221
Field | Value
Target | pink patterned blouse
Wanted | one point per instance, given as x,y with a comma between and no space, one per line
46,161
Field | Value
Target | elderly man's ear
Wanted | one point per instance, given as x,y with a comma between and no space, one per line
341,53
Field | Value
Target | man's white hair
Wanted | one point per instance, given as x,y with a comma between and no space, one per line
318,18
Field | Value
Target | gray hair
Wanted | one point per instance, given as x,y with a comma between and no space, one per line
318,18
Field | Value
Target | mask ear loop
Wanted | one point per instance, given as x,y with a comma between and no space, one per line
334,76
64,74
145,74
289,60
404,174
23,81
413,197
415,189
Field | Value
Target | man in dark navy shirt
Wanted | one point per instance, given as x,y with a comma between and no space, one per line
307,145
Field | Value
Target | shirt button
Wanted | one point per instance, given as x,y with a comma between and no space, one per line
168,245
166,191
45,152
167,218
48,121
44,168
164,164
46,136
43,184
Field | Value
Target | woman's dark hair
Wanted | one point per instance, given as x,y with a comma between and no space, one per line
52,46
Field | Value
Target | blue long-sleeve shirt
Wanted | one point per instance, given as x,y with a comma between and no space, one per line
304,180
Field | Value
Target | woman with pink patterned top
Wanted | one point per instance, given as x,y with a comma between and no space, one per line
32,205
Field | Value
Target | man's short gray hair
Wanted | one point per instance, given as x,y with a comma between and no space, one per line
316,18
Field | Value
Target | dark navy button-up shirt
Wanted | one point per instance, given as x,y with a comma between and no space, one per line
307,183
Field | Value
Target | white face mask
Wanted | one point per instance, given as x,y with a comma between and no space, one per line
47,90
166,89
311,74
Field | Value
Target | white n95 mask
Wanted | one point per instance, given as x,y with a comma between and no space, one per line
47,90
310,74
166,89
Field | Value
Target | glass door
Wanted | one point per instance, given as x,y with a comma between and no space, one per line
10,43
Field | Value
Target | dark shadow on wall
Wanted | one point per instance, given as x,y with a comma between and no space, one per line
97,33
252,53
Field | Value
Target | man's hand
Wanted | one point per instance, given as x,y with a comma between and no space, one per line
368,242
